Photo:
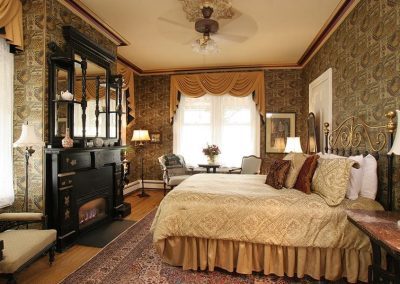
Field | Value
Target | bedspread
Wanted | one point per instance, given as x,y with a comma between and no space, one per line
243,208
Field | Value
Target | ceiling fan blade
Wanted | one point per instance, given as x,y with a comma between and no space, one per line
236,15
172,22
230,37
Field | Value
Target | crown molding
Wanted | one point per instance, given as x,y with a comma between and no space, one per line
82,11
341,11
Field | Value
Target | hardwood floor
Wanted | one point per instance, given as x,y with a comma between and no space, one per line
74,257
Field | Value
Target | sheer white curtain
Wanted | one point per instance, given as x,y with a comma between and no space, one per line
232,123
6,124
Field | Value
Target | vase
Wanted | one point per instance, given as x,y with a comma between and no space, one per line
212,159
67,142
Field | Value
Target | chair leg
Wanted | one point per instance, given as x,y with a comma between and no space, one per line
165,189
52,255
11,279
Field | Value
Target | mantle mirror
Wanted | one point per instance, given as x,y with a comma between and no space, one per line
84,69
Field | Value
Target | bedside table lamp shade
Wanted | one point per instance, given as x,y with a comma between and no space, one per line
396,144
27,140
293,145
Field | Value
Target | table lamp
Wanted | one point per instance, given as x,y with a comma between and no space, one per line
140,137
27,140
293,145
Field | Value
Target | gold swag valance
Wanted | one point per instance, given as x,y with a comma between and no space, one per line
11,21
237,84
127,75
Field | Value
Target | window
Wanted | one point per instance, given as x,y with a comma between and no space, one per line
230,122
6,124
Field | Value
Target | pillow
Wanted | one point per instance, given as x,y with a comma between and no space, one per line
369,185
303,182
331,179
356,178
277,173
297,161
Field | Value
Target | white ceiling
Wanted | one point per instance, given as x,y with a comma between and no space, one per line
278,32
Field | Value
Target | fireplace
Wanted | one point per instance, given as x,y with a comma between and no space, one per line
92,212
83,190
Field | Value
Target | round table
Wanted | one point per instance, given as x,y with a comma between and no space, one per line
210,166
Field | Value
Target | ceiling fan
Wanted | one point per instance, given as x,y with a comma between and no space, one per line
208,26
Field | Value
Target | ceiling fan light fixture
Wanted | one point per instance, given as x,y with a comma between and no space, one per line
205,45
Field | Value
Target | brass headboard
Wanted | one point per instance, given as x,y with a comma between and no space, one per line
347,139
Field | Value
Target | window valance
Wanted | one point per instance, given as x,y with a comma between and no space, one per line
11,22
127,75
238,84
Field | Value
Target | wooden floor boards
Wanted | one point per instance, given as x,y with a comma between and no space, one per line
77,255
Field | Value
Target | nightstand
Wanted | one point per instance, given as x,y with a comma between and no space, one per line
382,229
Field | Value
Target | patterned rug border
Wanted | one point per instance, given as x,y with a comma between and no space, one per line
115,239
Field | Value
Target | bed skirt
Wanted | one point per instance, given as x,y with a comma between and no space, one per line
242,257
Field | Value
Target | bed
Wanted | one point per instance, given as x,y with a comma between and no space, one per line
238,223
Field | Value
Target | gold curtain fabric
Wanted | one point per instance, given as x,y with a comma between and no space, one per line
244,257
238,84
127,74
11,20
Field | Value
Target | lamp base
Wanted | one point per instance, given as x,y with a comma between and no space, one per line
143,194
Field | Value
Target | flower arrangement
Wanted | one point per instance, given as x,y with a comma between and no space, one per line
211,151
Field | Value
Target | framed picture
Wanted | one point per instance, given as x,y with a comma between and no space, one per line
279,126
155,137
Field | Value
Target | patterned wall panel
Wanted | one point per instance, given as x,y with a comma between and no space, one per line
364,53
30,85
28,101
283,94
152,113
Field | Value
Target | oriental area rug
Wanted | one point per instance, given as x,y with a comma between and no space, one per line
131,258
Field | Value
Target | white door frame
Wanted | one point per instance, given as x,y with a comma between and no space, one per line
313,105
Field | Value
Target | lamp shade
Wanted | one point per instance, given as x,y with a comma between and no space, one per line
293,145
28,137
396,144
140,135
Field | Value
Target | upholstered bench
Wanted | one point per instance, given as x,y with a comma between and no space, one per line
23,246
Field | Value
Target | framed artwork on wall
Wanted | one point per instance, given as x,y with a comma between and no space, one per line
155,137
279,126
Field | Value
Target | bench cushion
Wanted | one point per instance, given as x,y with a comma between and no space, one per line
22,245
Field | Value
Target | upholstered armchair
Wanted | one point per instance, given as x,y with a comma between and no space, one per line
250,165
174,170
21,246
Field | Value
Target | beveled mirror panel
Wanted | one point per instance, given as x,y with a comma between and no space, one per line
96,78
61,109
312,140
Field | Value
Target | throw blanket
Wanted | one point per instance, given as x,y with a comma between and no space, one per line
243,208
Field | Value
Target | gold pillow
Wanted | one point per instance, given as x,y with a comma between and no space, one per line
331,179
297,161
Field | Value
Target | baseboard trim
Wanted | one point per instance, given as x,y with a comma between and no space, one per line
148,185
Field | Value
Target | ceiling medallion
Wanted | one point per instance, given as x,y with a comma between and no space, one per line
192,8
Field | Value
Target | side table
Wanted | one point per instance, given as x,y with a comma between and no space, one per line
210,166
382,229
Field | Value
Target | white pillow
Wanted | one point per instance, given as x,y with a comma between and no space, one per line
369,185
356,178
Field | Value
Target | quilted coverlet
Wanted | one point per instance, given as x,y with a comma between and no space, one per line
243,208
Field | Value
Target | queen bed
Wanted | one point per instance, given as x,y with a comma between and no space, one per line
239,223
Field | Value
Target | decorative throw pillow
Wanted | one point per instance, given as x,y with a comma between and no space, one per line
303,182
297,161
331,179
277,173
369,183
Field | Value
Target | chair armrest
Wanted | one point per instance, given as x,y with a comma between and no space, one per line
190,169
234,170
21,217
